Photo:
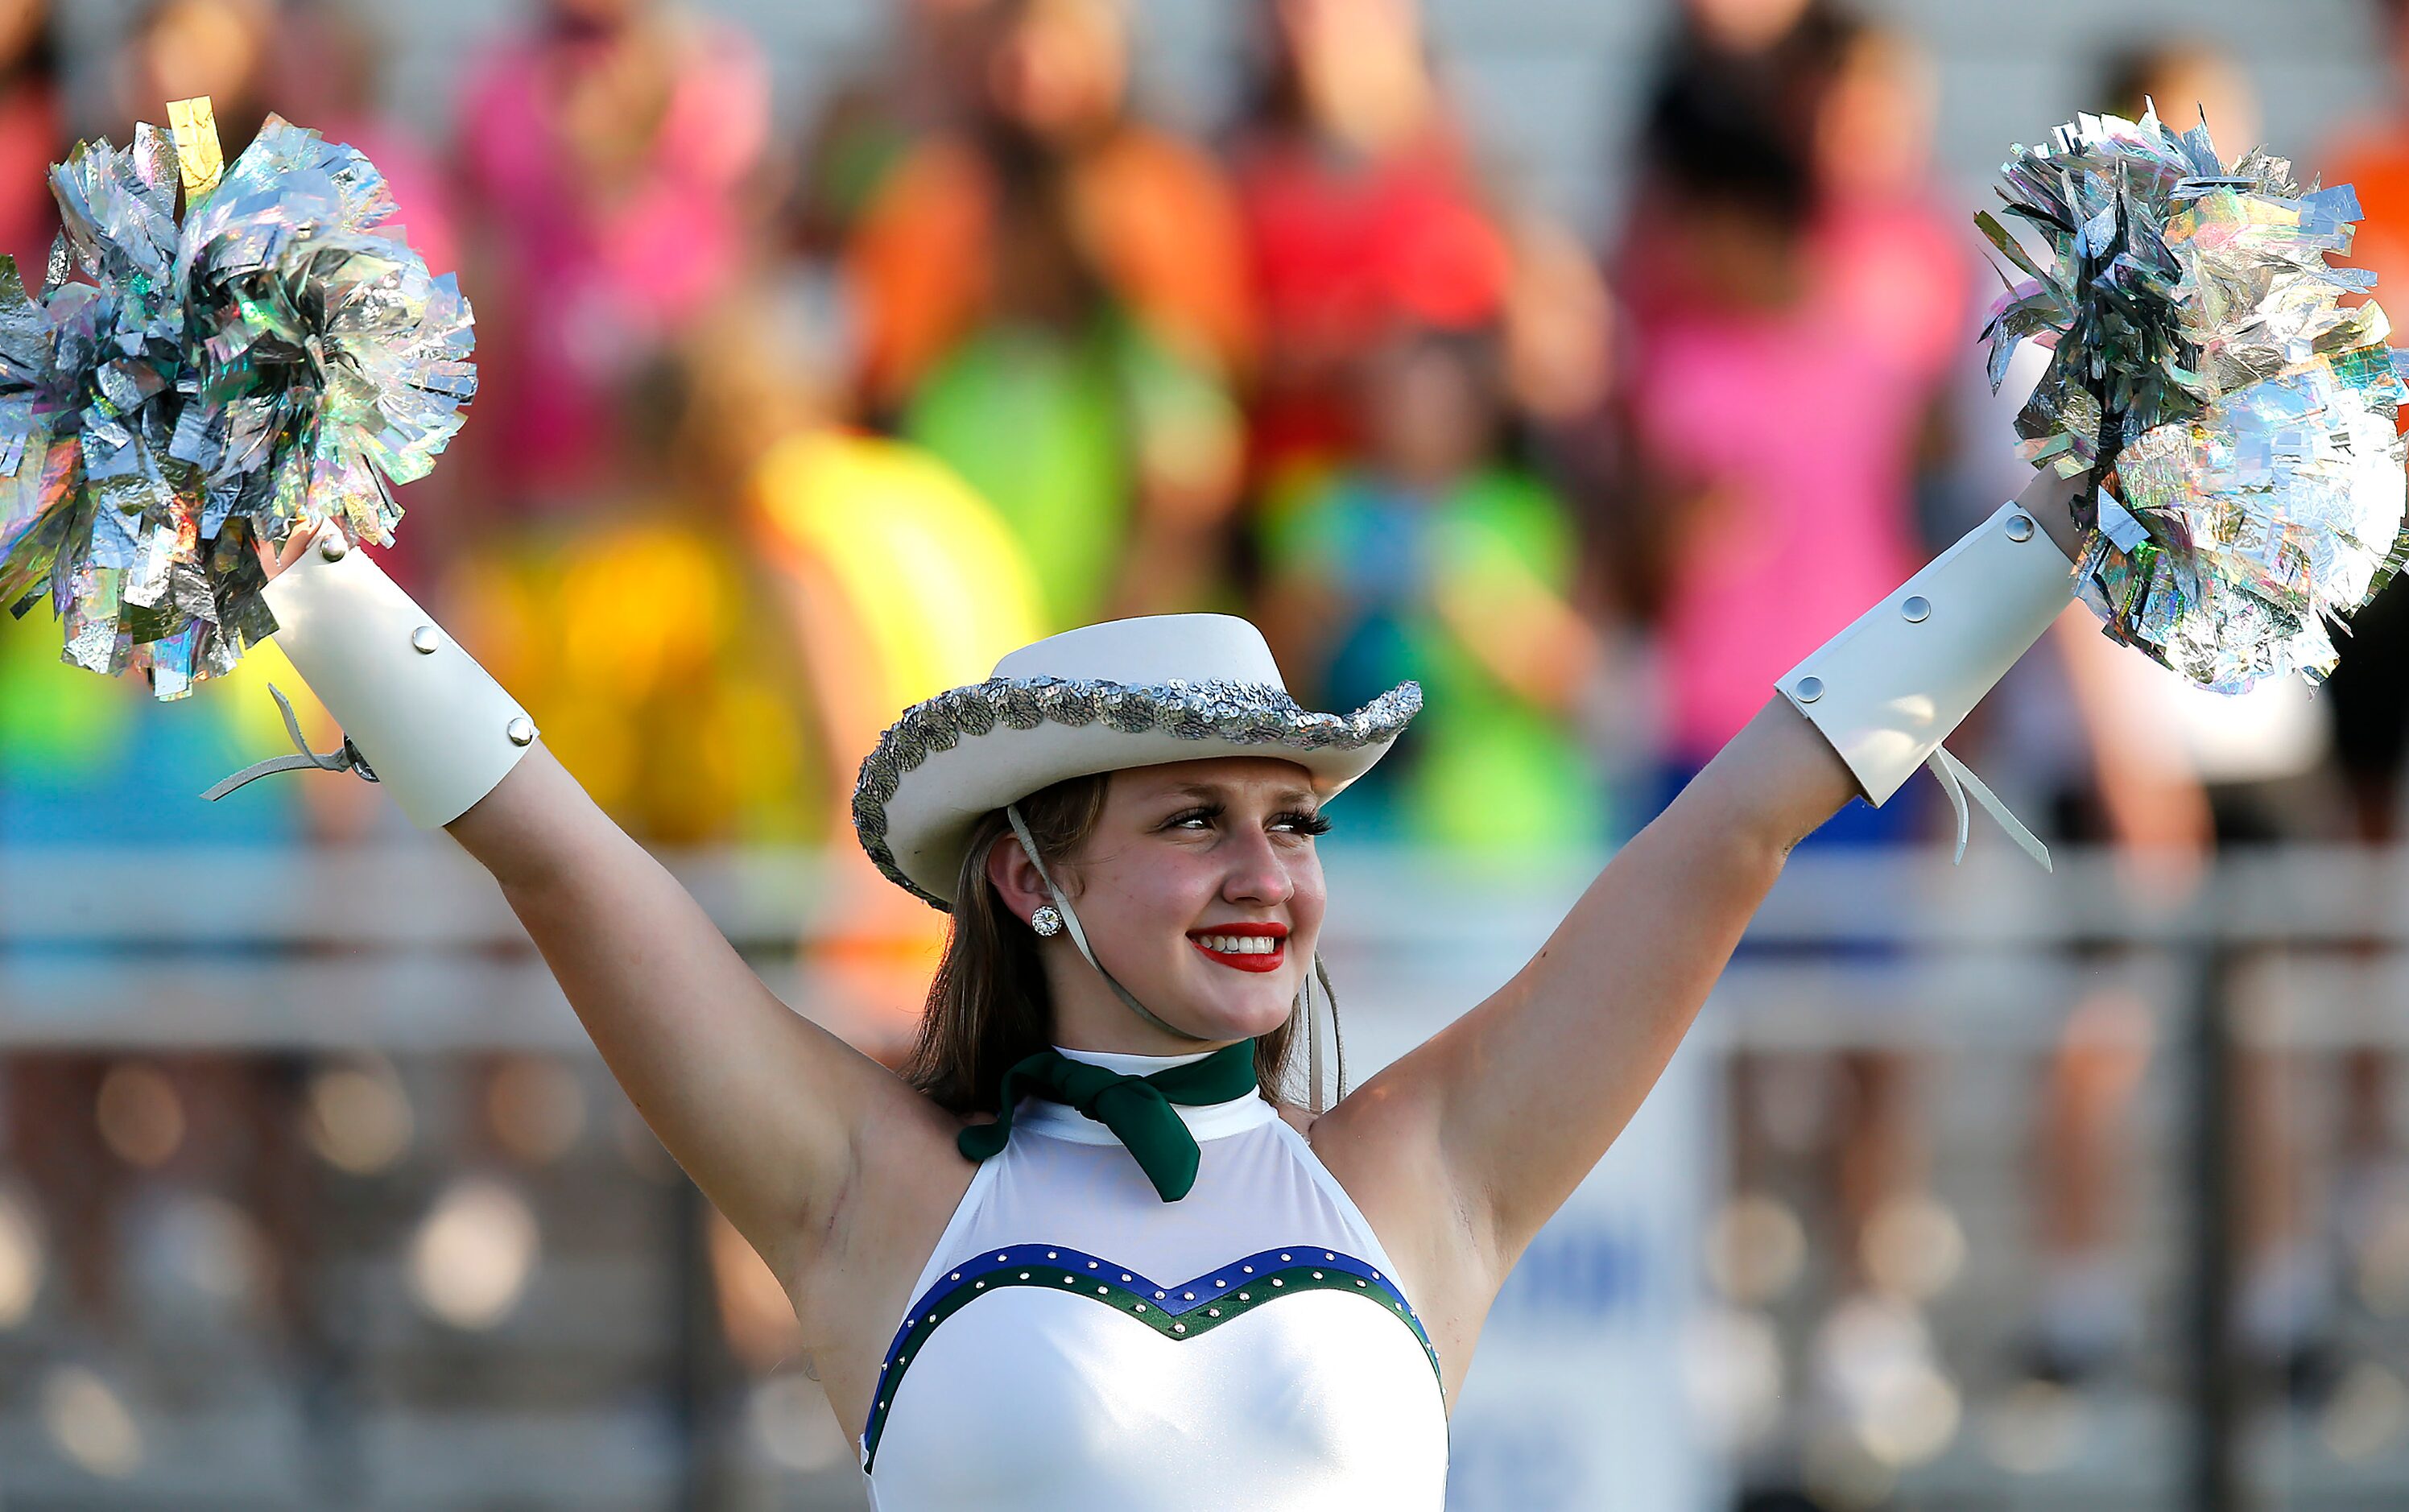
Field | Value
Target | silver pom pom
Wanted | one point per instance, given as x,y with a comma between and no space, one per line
2237,419
181,391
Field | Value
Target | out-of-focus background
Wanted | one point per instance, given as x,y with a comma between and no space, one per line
1589,362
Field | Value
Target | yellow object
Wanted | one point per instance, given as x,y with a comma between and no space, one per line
195,126
636,645
934,584
899,581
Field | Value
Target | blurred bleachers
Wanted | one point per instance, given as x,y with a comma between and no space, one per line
507,1295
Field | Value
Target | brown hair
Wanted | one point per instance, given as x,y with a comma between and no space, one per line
988,1007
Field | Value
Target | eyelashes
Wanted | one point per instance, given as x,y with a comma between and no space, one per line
1296,821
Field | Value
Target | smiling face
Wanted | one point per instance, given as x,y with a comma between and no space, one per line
1199,891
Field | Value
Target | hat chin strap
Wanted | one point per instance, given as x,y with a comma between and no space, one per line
1079,936
1128,1000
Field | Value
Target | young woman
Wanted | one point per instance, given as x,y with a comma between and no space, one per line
1087,1253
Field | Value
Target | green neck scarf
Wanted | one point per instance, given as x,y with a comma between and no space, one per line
1137,1109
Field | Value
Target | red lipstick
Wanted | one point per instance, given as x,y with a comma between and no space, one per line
1239,948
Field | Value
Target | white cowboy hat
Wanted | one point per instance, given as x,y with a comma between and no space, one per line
1126,693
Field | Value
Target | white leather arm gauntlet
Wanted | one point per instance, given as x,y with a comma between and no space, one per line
426,720
1891,687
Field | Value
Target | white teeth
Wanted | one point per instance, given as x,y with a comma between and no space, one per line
1239,944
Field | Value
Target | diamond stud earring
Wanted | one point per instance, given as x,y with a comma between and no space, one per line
1046,921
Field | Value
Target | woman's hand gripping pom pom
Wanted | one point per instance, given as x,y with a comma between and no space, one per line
183,393
2238,418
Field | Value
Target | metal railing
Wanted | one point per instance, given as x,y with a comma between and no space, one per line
408,948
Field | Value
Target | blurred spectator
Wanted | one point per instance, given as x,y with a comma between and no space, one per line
1051,300
868,124
717,646
1793,301
1364,215
178,49
87,761
609,151
1433,560
2126,752
1049,195
641,636
896,581
83,758
2188,80
1776,396
32,135
1896,265
323,73
2370,691
2371,688
892,580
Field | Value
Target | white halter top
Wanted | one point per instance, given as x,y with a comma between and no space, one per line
1078,1342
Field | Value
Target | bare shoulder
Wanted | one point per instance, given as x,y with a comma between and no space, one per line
1381,1143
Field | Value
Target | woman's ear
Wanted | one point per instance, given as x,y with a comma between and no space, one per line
1015,877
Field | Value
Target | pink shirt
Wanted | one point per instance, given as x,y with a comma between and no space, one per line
594,276
1799,426
30,139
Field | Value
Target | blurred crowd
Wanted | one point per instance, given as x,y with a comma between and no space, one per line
780,431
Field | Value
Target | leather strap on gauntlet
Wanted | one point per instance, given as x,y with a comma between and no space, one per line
432,725
1891,687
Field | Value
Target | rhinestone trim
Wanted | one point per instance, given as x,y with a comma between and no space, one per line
1176,1321
1241,713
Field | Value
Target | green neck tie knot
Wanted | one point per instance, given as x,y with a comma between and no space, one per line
1137,1109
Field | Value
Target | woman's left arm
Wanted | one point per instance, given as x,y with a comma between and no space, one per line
1512,1105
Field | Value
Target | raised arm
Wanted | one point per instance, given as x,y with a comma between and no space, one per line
1514,1103
768,1112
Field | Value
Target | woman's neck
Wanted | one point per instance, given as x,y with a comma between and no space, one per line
1128,1064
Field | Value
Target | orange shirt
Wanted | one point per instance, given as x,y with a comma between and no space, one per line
1152,215
2374,161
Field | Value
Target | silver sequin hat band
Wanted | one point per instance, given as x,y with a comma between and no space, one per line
968,751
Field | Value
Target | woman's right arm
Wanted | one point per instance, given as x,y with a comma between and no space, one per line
768,1113
773,1116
